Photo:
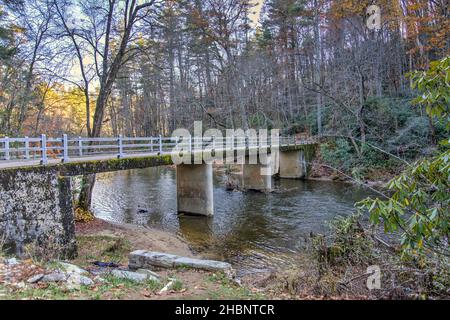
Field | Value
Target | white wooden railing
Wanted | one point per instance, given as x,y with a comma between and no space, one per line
68,148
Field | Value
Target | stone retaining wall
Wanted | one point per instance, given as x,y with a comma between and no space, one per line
36,208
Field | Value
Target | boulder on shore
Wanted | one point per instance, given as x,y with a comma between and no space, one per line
134,276
142,259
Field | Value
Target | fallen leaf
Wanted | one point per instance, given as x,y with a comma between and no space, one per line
146,293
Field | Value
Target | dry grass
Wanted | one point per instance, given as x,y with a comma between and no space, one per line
102,248
41,253
2,246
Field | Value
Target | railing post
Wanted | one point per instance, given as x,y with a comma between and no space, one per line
120,141
65,148
214,142
190,144
160,144
80,146
44,159
197,143
7,154
27,148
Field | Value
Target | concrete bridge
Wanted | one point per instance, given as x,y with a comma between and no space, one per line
36,205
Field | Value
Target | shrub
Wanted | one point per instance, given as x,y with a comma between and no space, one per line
338,154
83,216
419,198
349,244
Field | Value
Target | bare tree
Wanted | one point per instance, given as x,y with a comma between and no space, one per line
102,24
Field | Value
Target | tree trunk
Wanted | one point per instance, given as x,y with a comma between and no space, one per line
85,197
432,131
318,67
360,119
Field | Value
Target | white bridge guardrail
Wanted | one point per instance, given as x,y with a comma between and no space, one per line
77,148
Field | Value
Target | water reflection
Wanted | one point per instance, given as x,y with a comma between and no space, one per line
255,231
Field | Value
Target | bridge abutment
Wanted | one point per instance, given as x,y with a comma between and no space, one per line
293,164
195,189
36,210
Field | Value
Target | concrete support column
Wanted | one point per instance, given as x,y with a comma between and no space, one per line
275,159
293,164
257,177
195,189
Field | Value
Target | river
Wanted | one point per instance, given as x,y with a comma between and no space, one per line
254,231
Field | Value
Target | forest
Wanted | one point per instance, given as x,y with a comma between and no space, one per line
377,95
120,67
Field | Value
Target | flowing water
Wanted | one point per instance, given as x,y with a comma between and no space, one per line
253,231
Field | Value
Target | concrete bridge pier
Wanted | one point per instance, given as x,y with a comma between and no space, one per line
195,189
293,164
258,177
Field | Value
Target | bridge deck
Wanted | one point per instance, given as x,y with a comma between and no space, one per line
92,155
111,162
57,161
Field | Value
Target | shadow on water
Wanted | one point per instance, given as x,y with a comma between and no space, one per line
254,231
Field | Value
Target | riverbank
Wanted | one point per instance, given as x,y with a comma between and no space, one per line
321,273
377,179
109,243
303,281
96,238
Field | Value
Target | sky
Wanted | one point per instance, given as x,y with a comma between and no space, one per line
254,16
